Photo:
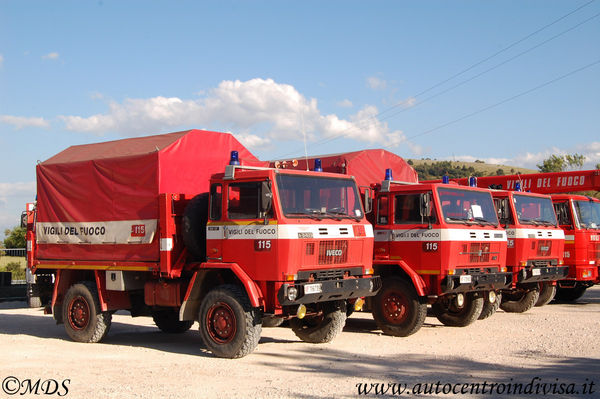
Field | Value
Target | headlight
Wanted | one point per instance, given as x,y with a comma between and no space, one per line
292,293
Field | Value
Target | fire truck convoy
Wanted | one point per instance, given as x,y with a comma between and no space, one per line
171,226
578,216
437,244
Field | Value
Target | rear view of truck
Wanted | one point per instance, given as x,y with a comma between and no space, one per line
190,226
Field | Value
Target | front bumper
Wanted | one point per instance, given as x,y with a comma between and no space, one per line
535,274
330,290
478,282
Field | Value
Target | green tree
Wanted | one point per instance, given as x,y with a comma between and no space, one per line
553,164
560,163
598,166
575,160
15,238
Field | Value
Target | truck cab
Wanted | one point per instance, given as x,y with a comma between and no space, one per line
438,244
579,217
534,250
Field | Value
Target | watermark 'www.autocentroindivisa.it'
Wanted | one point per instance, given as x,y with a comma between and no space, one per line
27,386
534,387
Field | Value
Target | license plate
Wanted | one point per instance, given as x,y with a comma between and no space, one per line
312,288
535,272
465,279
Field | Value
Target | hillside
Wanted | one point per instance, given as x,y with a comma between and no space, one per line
434,169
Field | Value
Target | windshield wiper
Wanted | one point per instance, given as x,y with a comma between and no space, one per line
484,222
311,215
451,219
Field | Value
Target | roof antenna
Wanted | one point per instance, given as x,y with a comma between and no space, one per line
304,136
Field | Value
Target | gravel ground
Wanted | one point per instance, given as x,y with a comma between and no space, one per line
555,344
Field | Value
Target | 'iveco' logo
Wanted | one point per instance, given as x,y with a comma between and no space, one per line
334,252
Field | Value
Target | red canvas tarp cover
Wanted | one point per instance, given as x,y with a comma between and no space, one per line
367,166
87,190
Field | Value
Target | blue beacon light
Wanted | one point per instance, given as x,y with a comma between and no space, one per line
388,174
234,160
446,179
318,167
518,186
472,181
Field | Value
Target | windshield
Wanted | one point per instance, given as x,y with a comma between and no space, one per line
318,197
467,206
588,213
534,210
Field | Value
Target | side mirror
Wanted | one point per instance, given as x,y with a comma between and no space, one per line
368,200
24,219
266,198
425,208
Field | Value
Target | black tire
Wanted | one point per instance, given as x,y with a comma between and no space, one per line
490,308
229,326
84,322
168,321
195,217
34,300
397,309
568,294
322,328
520,301
452,316
268,321
547,293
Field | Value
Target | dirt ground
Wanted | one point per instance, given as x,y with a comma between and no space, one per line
555,347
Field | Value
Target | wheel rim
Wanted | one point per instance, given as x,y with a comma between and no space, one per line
395,307
221,323
79,313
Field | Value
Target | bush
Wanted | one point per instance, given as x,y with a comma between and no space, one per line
18,273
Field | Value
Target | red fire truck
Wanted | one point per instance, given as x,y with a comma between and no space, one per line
578,216
171,226
437,244
535,249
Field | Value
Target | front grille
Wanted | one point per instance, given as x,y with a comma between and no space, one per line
333,252
544,247
477,251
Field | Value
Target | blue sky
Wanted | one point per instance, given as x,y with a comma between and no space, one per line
347,74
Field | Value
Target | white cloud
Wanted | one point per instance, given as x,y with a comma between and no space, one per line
51,56
376,83
345,103
530,160
271,110
20,122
